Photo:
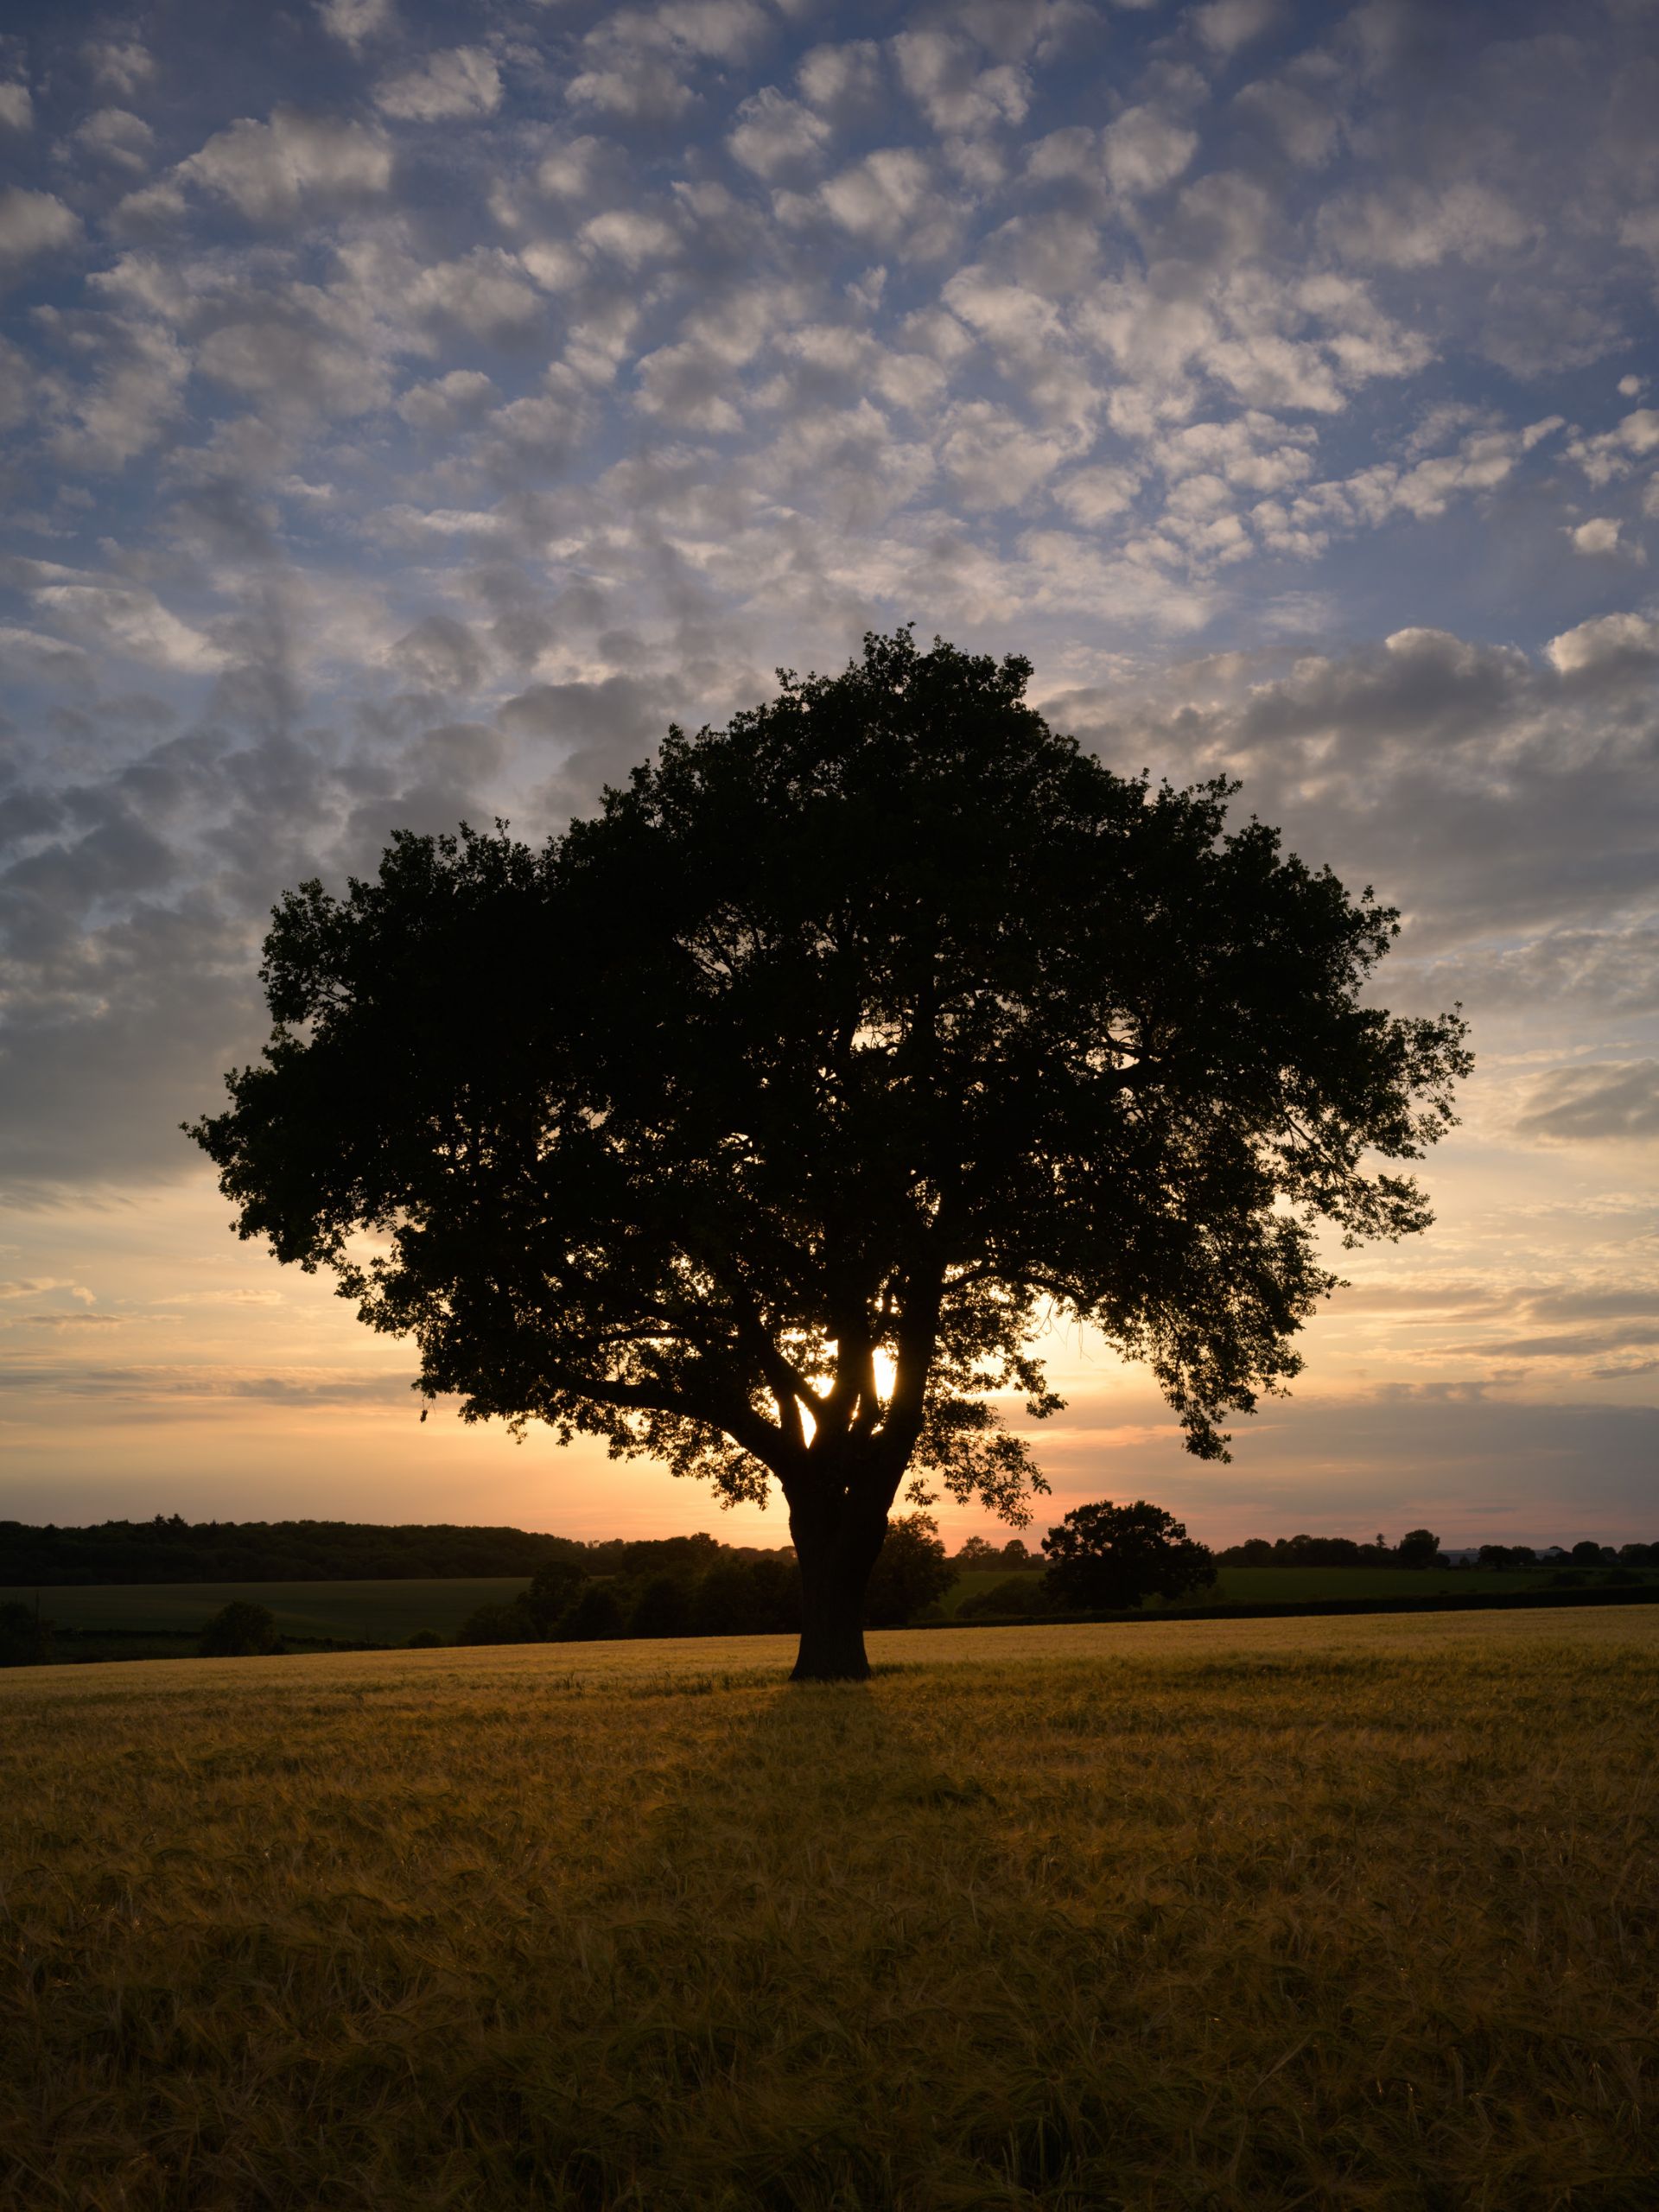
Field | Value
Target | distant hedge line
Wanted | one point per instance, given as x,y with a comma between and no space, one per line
169,1549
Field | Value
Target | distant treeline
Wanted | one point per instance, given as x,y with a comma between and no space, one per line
169,1549
1421,1548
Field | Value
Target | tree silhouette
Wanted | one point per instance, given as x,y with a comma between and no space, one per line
757,1122
1103,1556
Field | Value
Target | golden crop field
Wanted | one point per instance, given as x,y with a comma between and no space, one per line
1336,1913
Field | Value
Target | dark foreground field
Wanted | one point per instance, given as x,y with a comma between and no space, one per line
1271,1914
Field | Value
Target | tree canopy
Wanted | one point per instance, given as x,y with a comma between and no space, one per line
758,1122
1103,1556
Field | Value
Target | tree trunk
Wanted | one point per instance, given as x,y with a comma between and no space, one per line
837,1540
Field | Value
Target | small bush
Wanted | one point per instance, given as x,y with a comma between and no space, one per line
424,1639
239,1630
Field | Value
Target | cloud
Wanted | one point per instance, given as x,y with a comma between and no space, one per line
33,223
840,78
447,402
126,619
942,74
994,459
439,654
1615,452
272,170
1415,225
1306,123
1594,1103
121,64
16,109
68,1321
888,200
1607,642
455,86
114,136
1144,151
124,408
355,22
633,236
1224,26
484,293
640,61
1598,536
773,136
1498,797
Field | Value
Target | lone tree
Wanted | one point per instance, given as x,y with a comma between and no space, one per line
757,1122
1103,1556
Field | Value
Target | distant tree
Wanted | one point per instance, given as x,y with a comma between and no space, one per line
910,1572
1317,1551
238,1630
1104,1556
1254,1551
1507,1556
424,1639
554,1589
663,1608
775,1588
976,1553
25,1639
1586,1554
1418,1547
752,1123
723,1602
1014,1554
595,1617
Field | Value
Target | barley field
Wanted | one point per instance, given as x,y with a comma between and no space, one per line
1315,1913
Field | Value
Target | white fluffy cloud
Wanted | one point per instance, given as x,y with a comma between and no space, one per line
1598,536
943,73
31,224
355,22
272,170
1143,151
773,136
113,135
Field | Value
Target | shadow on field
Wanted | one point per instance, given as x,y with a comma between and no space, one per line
787,1983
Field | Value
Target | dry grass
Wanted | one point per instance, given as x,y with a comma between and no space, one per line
1327,1913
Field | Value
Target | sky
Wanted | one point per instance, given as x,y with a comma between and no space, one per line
408,410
